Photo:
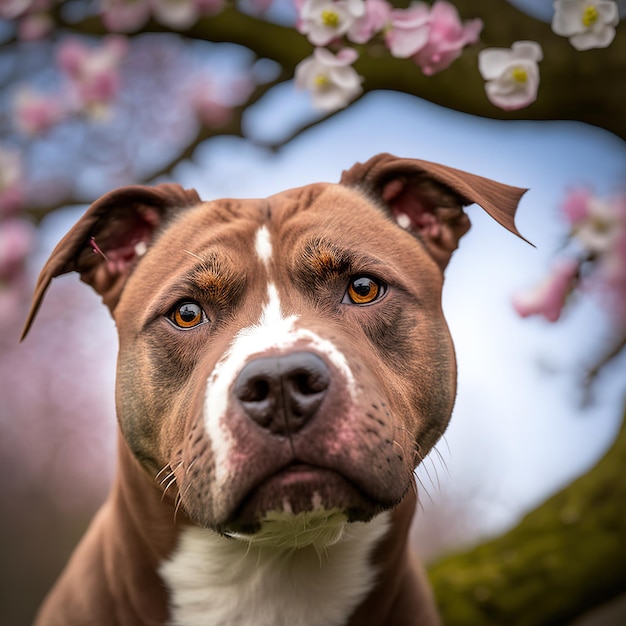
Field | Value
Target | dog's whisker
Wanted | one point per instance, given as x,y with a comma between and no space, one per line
423,489
163,469
179,500
442,460
171,473
432,462
190,465
167,477
172,482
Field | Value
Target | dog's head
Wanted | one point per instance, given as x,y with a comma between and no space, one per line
284,358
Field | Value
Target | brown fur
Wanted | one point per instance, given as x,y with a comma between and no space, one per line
399,349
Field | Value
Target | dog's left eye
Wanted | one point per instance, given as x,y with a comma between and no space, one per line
363,290
187,315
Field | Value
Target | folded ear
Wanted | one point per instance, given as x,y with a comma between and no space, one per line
107,241
428,199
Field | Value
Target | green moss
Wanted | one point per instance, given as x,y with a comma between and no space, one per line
562,559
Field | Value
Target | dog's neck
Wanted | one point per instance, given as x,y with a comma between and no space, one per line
219,580
191,575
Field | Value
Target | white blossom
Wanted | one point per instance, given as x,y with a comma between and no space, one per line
587,23
332,80
512,74
322,21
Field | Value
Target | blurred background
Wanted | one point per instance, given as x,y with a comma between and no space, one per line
523,426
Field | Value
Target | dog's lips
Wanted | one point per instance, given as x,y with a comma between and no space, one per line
300,487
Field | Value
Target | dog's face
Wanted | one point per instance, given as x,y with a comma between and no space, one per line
287,356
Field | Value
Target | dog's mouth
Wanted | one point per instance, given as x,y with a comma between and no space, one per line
300,489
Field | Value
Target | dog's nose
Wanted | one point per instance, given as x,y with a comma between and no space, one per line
282,393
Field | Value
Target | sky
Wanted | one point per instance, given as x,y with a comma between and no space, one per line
518,431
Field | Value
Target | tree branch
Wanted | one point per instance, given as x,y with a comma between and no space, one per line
585,86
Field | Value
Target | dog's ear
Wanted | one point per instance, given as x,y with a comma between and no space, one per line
106,242
428,199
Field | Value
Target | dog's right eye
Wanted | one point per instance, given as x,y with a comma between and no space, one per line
187,315
364,290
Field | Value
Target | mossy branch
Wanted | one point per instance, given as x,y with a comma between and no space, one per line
564,558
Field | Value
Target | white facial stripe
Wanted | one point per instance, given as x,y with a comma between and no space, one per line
273,331
251,340
263,245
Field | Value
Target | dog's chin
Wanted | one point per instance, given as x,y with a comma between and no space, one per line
300,505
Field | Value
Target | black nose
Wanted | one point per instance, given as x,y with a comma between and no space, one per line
282,393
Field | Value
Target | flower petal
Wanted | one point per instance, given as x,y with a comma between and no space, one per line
492,62
590,39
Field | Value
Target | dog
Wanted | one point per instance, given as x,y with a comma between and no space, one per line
284,365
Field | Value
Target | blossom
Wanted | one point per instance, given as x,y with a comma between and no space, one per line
94,72
432,37
612,270
36,113
575,207
447,36
10,9
181,14
11,181
34,26
376,17
599,228
331,79
601,233
207,106
125,16
130,15
512,75
408,32
548,298
587,23
325,20
16,241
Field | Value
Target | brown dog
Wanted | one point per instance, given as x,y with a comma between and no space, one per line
284,365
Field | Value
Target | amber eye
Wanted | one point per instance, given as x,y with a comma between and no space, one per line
187,315
363,290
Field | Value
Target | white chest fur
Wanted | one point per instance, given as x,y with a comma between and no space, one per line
215,581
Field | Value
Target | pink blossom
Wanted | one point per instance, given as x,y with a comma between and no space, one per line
178,14
575,207
210,112
17,238
93,71
409,30
447,36
377,16
12,186
612,264
10,9
35,26
548,298
212,7
213,103
125,16
36,113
